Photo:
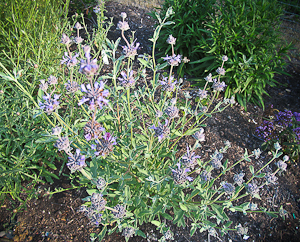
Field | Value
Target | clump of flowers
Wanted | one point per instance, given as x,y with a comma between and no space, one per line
284,128
123,143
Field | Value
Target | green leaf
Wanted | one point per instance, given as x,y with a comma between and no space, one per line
156,223
102,233
167,216
178,216
183,207
251,169
140,233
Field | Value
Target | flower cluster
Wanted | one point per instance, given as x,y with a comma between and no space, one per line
76,161
284,118
180,175
105,145
266,130
168,84
161,131
127,81
189,160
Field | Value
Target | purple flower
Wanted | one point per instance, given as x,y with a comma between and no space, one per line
228,188
216,160
78,40
56,131
72,87
281,165
127,81
92,130
221,71
101,183
65,39
63,143
202,94
105,145
121,211
199,135
208,78
189,160
123,25
93,215
69,60
180,175
44,85
171,40
172,112
161,131
266,131
284,118
95,94
88,67
297,132
271,178
252,189
239,178
168,84
205,176
173,60
297,116
224,58
218,86
128,232
50,104
131,50
76,161
98,202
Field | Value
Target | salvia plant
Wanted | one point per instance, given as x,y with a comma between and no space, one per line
247,31
120,133
282,127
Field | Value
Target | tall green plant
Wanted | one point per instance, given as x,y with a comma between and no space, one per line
246,31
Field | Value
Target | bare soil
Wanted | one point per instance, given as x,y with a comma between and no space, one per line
57,218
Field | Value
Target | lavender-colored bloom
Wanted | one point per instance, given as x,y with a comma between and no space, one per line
239,178
172,112
93,215
72,87
98,202
121,211
271,178
78,26
228,188
241,230
277,146
229,101
131,51
205,176
256,153
63,143
105,145
171,40
202,94
78,40
69,60
123,25
297,116
123,15
52,80
224,58
284,118
95,95
76,161
208,78
281,165
44,85
168,84
221,71
173,60
161,131
180,175
128,232
252,189
297,132
216,160
186,60
199,135
218,86
266,130
56,131
50,104
92,130
65,39
101,183
189,160
88,67
127,81
285,158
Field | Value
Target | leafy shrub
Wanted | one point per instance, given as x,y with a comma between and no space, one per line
246,31
122,142
283,127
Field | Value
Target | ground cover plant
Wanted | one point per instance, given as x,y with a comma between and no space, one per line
28,34
246,31
122,142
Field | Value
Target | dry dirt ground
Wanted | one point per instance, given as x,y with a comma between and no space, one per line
57,219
